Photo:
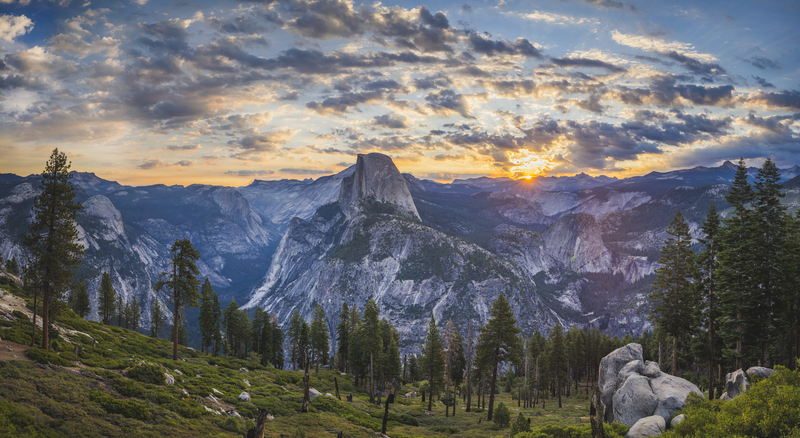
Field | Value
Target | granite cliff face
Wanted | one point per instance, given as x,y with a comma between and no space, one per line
375,178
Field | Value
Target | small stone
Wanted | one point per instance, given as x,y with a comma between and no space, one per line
244,397
313,393
178,372
216,391
169,380
677,420
212,399
246,382
328,394
244,370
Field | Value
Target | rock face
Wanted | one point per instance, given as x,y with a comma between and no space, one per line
647,426
736,383
633,389
377,178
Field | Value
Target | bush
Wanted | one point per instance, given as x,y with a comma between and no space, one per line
351,414
129,388
147,373
45,357
186,409
521,425
128,409
502,417
445,429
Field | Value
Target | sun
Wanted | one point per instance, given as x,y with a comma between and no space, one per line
529,164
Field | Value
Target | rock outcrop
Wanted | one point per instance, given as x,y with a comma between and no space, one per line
634,389
738,382
653,425
376,178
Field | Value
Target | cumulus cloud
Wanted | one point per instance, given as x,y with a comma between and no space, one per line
489,47
255,144
587,63
659,45
12,26
392,121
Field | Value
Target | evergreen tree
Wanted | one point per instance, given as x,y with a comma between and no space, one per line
454,358
432,362
208,320
391,365
136,313
496,341
343,338
770,254
156,318
413,368
277,342
371,343
265,347
106,298
674,298
12,266
708,310
735,269
231,323
320,336
216,317
293,334
120,313
558,358
183,283
304,345
81,305
52,239
355,357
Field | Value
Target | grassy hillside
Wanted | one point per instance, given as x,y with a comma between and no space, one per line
117,388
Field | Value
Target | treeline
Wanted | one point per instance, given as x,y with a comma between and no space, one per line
736,303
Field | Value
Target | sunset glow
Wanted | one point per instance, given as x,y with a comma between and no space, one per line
528,164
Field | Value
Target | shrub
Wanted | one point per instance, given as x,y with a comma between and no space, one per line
186,409
233,424
148,373
445,429
521,425
44,356
502,417
128,409
129,388
351,414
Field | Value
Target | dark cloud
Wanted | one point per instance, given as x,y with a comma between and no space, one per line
763,82
434,81
664,92
290,96
392,121
302,171
446,101
383,84
694,65
474,72
727,17
316,62
489,47
340,105
688,129
466,8
246,172
782,99
611,4
151,164
253,145
588,63
763,63
243,24
183,147
174,29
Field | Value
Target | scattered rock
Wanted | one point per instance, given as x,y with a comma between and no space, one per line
216,391
8,348
169,380
647,426
208,409
677,420
212,399
724,397
411,394
328,394
244,370
246,382
185,391
313,393
342,374
244,397
270,417
178,372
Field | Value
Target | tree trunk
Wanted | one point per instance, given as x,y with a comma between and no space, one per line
390,399
306,383
711,346
336,384
675,356
371,382
447,401
33,334
430,391
559,390
262,421
176,316
491,390
46,315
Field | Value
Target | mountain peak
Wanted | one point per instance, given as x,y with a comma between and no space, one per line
376,177
728,165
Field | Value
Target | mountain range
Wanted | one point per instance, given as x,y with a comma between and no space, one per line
578,250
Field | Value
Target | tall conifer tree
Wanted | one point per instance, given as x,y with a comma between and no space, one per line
496,342
343,338
708,311
183,283
82,304
432,362
320,336
371,343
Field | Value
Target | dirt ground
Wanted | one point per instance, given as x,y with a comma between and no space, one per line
17,351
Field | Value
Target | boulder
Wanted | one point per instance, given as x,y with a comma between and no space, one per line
168,379
761,372
736,383
177,372
647,426
724,397
313,393
244,370
634,400
216,391
651,369
246,382
244,396
671,392
610,367
328,394
677,420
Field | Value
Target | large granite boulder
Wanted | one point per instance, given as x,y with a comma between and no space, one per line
761,372
637,389
610,366
647,426
634,400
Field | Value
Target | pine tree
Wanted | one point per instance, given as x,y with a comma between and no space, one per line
12,266
183,283
293,334
391,367
230,323
156,318
208,321
355,357
304,345
216,317
432,362
52,239
343,338
558,358
454,359
735,268
708,311
770,254
266,340
371,343
320,336
105,298
82,305
413,369
496,341
277,342
674,298
136,313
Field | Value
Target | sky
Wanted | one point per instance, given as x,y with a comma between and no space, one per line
224,91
